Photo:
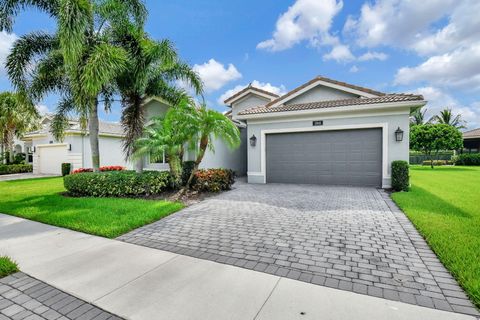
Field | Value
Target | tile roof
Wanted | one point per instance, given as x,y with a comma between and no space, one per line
249,87
320,78
333,103
114,128
475,133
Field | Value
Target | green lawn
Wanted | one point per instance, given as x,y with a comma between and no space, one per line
444,205
39,200
7,267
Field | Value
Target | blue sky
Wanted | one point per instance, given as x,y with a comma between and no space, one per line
432,48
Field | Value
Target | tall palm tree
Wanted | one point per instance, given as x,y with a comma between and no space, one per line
17,116
446,116
417,116
82,51
153,69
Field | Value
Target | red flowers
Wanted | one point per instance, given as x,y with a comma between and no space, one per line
106,168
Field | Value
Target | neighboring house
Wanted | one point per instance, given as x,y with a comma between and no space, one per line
47,154
471,141
324,132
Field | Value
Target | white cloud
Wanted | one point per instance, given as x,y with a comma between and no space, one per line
280,90
215,75
373,55
354,69
42,109
339,53
305,20
396,22
6,43
459,68
439,100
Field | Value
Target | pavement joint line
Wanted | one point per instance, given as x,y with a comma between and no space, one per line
268,297
176,256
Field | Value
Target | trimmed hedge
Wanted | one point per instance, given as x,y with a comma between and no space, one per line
117,183
437,162
467,159
400,175
213,180
66,168
15,168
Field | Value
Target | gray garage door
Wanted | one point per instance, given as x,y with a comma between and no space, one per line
346,157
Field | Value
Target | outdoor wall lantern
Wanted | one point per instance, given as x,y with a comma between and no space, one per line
69,147
253,141
399,134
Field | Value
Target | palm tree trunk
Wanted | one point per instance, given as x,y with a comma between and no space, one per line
93,128
175,164
10,146
201,154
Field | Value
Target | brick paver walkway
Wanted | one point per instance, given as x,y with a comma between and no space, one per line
348,238
25,298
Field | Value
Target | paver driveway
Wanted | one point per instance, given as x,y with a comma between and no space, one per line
348,238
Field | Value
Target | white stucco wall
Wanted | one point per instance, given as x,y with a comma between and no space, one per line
249,101
321,93
391,119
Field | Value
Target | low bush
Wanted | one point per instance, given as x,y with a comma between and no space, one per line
437,162
467,159
213,180
15,168
187,170
66,168
103,169
117,183
400,175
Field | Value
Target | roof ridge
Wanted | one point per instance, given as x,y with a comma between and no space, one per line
252,87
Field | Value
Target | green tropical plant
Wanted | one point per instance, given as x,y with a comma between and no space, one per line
168,136
417,116
79,60
153,68
446,116
433,138
17,116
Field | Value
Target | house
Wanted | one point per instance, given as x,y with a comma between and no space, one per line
324,132
47,154
471,141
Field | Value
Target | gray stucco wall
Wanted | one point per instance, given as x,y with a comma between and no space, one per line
321,93
248,102
396,150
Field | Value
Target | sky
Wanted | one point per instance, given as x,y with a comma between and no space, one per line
429,47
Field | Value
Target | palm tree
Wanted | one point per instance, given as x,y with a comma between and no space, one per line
168,136
210,125
446,116
17,116
153,69
80,51
417,116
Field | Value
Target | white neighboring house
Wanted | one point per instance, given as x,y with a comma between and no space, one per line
47,154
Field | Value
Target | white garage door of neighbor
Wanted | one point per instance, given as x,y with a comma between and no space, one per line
51,158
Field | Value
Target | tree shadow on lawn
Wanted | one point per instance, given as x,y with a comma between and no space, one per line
429,202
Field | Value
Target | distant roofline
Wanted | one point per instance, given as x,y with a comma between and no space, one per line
239,94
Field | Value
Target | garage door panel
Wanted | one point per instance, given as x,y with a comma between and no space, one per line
51,158
346,157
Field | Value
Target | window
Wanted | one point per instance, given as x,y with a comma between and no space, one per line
158,159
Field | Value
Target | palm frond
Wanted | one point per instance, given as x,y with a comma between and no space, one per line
60,121
9,9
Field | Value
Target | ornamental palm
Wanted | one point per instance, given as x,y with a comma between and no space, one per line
417,117
446,116
152,69
168,136
17,116
86,59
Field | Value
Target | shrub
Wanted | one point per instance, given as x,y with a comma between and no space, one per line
116,183
214,180
7,266
15,168
400,175
437,162
187,170
467,159
103,169
66,168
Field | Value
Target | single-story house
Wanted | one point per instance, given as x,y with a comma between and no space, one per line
47,154
324,132
471,141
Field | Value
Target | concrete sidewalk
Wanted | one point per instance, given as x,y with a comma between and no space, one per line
135,282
